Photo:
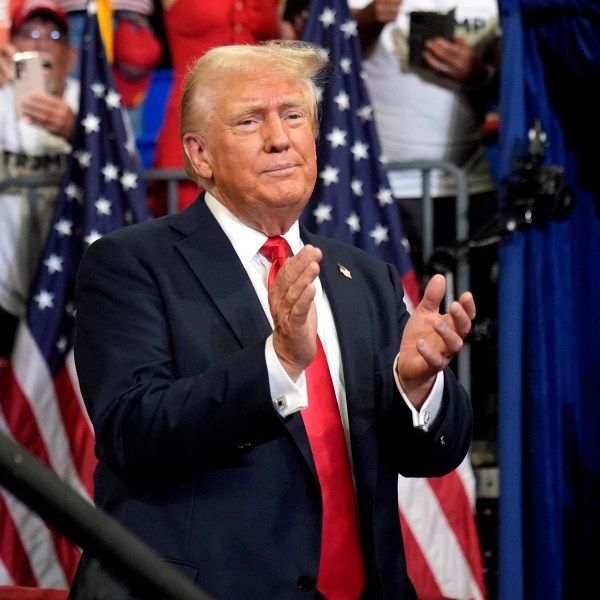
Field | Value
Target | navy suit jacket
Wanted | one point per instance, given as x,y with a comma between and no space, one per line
193,456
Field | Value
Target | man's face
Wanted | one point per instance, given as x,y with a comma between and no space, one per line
44,35
259,149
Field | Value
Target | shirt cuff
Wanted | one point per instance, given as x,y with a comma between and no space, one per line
423,419
288,396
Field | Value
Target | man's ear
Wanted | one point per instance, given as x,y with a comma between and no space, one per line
194,149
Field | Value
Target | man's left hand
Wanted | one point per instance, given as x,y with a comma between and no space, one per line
431,339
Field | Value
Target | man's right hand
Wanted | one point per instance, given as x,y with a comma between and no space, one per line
291,300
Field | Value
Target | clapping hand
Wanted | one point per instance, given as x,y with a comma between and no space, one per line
431,339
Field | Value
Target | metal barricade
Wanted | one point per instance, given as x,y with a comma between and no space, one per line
172,177
30,185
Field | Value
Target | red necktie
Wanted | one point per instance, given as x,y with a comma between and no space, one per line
341,568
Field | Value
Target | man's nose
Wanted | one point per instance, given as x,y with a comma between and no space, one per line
275,134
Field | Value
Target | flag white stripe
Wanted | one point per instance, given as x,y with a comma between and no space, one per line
5,578
36,382
38,543
465,472
436,539
35,538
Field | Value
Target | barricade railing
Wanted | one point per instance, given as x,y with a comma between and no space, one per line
30,185
171,177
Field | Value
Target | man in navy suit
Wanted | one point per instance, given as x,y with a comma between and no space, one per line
193,372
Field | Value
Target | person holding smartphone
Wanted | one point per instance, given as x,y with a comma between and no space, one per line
432,71
35,129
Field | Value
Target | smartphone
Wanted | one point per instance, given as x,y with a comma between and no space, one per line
425,25
29,77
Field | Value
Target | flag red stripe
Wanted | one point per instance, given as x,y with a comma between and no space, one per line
411,286
418,568
79,435
12,553
450,493
68,554
19,417
454,501
22,424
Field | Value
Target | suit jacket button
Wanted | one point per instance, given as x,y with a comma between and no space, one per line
306,583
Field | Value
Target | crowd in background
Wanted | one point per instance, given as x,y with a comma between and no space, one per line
430,109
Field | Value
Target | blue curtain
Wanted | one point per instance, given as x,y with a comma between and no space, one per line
549,299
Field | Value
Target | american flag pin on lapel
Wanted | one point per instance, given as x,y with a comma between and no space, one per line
342,269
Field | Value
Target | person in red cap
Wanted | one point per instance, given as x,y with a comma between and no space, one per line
33,141
42,26
136,49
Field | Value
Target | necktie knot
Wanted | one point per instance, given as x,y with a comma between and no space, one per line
275,248
276,251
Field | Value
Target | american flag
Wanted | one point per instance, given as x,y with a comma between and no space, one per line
353,199
41,406
353,202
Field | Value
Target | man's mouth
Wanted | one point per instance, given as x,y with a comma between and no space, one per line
278,168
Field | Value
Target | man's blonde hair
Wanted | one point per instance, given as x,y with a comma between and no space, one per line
300,60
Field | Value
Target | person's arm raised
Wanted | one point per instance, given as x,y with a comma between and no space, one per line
371,20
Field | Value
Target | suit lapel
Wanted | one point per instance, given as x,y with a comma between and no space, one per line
212,258
210,255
